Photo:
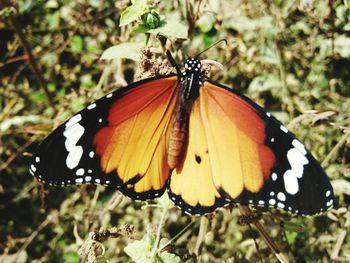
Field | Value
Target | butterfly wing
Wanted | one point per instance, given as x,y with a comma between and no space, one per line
247,157
120,140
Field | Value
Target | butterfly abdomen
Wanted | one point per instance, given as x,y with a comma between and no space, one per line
178,138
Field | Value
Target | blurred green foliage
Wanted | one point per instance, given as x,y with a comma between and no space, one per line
292,57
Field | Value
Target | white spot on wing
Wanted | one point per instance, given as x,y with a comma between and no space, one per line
109,95
268,114
330,202
73,132
33,168
274,176
74,157
73,135
79,180
299,146
328,193
75,119
284,129
37,159
280,205
297,160
290,182
281,196
80,172
91,154
88,178
91,106
272,201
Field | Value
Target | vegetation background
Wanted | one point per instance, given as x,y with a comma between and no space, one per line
292,57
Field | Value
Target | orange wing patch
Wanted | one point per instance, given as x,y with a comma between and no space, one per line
236,140
135,142
225,152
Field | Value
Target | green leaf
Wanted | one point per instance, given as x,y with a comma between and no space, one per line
51,87
206,22
133,12
76,44
124,50
26,6
140,251
71,257
268,53
169,258
291,237
171,28
342,46
141,28
54,20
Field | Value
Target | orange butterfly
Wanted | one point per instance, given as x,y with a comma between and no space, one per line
205,143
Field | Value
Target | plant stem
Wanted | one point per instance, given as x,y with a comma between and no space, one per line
156,243
177,235
203,227
245,210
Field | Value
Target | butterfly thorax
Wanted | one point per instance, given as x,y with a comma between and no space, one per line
191,80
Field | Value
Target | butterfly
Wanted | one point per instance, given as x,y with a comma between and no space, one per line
204,143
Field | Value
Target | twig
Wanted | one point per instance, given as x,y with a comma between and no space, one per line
31,60
340,241
335,149
18,152
49,219
245,210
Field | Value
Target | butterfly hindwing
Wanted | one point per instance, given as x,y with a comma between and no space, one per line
119,140
191,185
226,153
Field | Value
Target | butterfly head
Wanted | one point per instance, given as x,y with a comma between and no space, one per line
193,65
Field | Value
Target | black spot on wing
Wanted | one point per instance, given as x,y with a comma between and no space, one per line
198,159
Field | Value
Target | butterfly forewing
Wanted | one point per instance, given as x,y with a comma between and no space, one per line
119,140
293,179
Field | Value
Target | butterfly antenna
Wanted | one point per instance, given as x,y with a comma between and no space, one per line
217,42
170,57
